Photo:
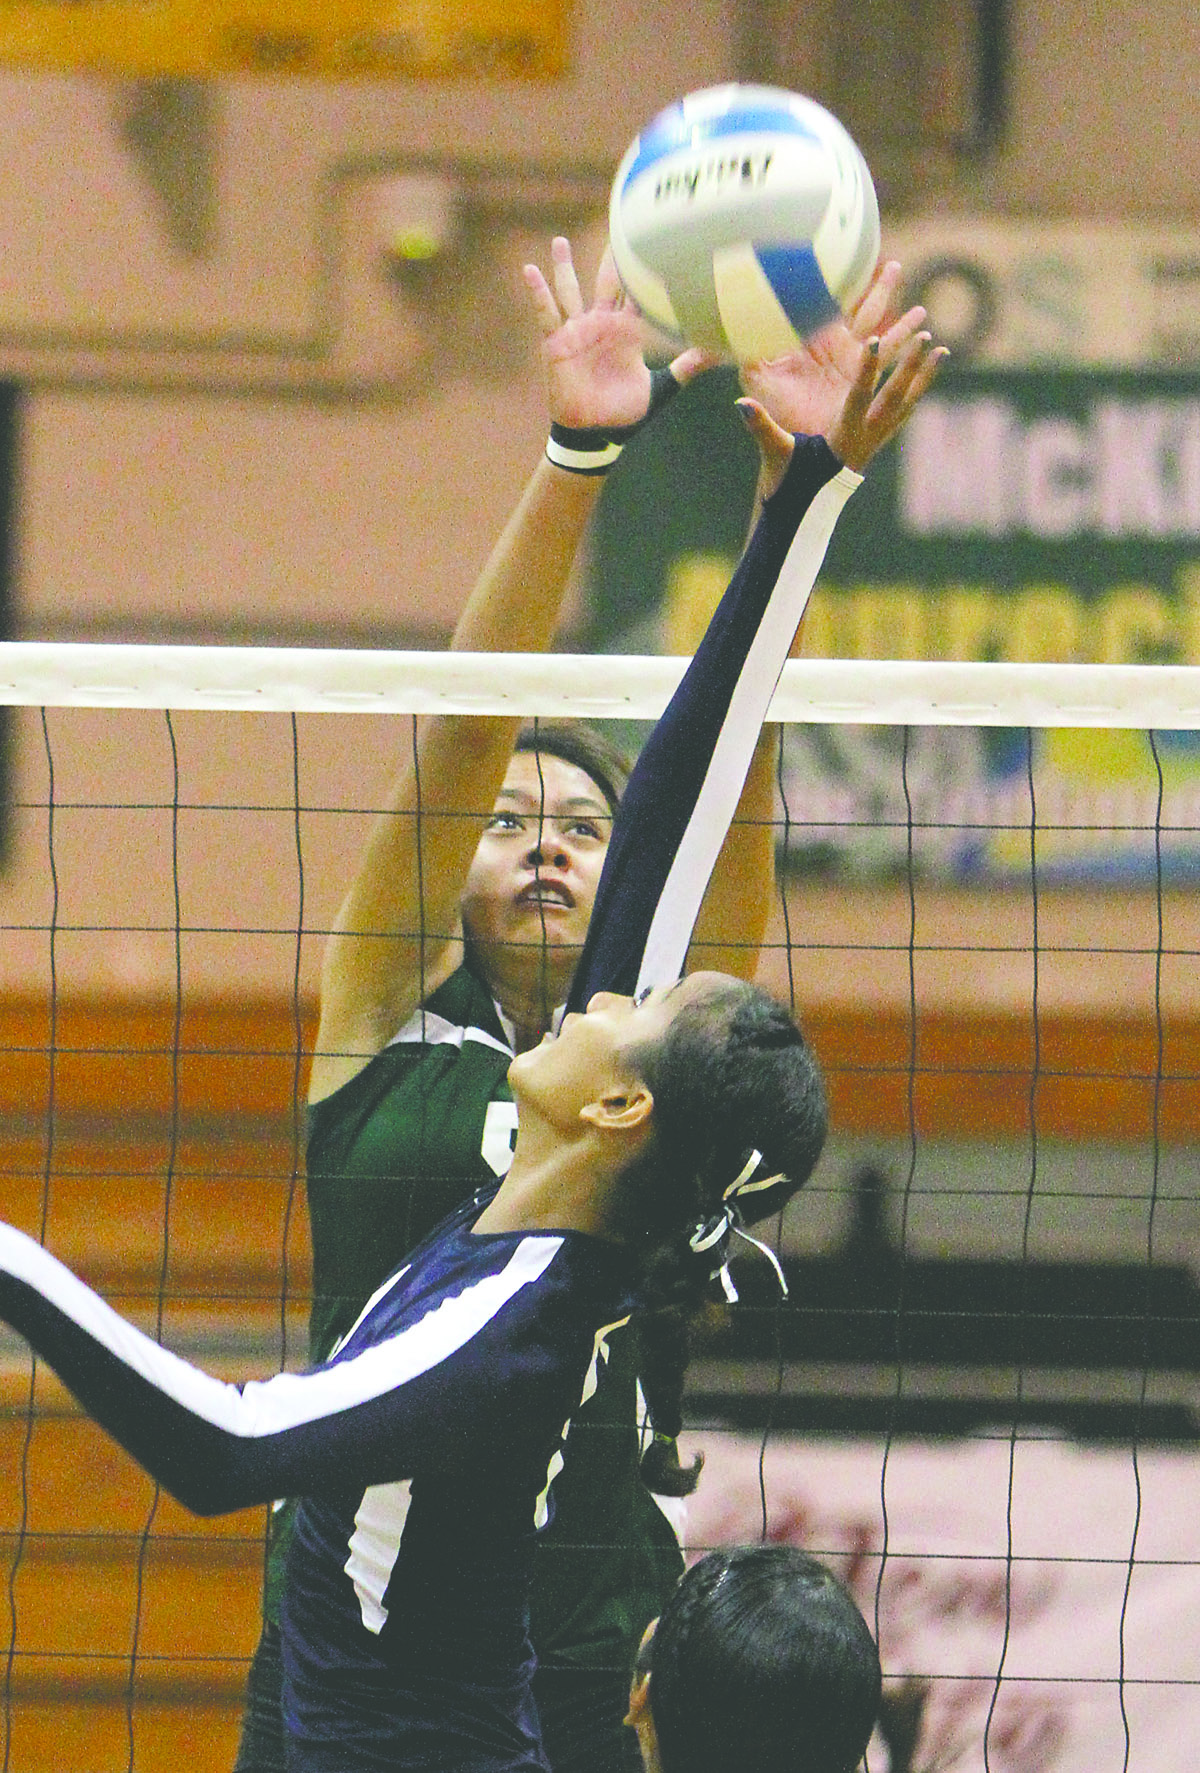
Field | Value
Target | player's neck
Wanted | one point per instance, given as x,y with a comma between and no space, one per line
528,988
554,1185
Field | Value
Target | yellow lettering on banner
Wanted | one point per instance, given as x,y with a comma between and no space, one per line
483,38
1036,624
695,585
1136,626
888,622
1045,626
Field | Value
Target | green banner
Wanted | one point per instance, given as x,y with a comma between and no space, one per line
1039,515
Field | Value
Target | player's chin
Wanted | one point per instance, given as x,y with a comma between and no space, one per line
553,926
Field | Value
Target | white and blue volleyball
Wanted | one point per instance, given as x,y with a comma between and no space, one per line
744,219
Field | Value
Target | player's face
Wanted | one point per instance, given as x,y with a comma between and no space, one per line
596,1052
535,873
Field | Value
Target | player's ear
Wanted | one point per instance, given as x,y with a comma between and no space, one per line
622,1108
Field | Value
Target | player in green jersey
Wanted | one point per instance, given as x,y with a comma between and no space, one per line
452,951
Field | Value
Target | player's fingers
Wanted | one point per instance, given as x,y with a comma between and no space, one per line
692,362
893,341
775,445
899,407
862,387
868,314
925,376
908,361
566,283
610,292
771,438
545,306
892,400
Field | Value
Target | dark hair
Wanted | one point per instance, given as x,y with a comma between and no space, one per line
761,1662
584,746
732,1075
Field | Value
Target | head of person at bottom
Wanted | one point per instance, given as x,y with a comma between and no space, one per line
760,1663
664,1121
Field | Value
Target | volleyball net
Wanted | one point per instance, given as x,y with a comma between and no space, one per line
981,1397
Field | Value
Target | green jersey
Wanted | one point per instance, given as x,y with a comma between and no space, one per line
424,1125
414,1134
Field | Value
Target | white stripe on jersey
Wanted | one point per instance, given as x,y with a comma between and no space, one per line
426,1028
375,1546
591,1379
679,903
381,1292
288,1400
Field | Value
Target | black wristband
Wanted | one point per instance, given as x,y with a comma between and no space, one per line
590,449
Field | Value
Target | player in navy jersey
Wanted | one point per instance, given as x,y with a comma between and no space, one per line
664,1113
453,950
409,1106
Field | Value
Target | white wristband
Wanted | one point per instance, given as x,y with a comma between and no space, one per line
582,461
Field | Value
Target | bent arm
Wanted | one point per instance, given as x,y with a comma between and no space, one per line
395,938
736,909
392,940
832,387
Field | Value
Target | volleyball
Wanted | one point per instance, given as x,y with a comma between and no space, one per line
743,219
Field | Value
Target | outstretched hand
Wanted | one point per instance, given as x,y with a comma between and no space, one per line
595,373
833,388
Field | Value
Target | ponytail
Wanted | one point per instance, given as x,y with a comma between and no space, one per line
662,1368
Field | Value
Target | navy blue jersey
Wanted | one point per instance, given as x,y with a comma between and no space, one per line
425,1448
427,1575
439,1422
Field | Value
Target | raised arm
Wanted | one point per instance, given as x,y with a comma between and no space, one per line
395,935
802,393
682,794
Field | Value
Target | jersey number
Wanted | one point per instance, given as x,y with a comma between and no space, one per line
499,1135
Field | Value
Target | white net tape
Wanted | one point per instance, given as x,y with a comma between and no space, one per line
328,680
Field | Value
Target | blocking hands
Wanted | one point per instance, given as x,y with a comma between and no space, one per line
855,383
596,375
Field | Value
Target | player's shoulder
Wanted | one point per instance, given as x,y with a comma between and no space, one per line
457,1022
532,1262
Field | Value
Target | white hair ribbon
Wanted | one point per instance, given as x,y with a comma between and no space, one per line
710,1232
768,1252
743,1176
742,1184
